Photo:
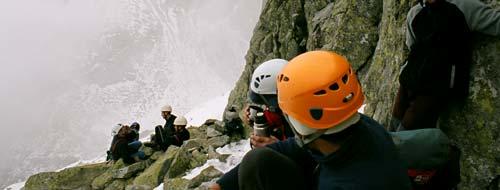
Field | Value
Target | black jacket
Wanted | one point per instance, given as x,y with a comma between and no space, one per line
120,148
368,160
440,55
168,128
179,137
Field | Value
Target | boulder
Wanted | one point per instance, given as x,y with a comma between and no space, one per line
212,132
79,177
195,144
156,155
129,171
138,187
206,175
223,157
198,132
212,153
101,181
180,164
118,184
175,184
219,141
148,151
154,174
198,159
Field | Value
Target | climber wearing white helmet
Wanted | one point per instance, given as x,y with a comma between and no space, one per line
161,132
262,95
178,135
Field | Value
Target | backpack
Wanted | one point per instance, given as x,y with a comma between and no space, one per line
431,161
439,60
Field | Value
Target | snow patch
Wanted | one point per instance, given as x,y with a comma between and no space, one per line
160,187
237,151
212,109
362,109
16,186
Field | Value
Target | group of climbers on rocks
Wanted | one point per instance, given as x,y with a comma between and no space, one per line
315,138
308,133
126,145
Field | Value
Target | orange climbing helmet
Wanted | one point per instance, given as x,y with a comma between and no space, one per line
319,91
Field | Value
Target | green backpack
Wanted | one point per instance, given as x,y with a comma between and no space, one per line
431,160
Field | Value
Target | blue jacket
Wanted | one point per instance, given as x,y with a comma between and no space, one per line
368,160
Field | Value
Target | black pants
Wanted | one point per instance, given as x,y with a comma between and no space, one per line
418,111
264,168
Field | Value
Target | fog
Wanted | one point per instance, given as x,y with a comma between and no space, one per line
72,69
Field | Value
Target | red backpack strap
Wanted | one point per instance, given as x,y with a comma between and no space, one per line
421,177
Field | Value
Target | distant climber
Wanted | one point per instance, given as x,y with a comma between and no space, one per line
232,122
161,132
175,137
135,127
114,132
438,66
126,147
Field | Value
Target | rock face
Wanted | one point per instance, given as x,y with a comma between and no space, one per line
71,178
371,34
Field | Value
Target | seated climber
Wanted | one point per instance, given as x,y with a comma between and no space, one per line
263,98
114,132
161,132
135,127
320,95
126,147
232,122
175,137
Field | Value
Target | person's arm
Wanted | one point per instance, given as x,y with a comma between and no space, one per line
410,35
479,16
229,180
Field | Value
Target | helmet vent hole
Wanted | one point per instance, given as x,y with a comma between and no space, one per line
257,79
256,84
262,76
319,93
286,79
348,98
316,113
334,86
345,79
267,76
280,78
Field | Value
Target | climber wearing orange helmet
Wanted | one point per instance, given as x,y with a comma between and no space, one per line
319,94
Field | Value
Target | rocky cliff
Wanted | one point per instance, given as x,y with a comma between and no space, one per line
169,168
370,33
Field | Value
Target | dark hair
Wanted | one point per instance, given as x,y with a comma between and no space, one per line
342,136
135,126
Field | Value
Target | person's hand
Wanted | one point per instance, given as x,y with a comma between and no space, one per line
258,141
246,116
214,186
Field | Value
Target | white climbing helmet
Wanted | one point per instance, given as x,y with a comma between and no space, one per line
265,75
181,120
166,108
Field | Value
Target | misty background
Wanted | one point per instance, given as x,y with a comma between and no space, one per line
70,70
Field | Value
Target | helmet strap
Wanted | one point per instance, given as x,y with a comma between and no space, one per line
268,105
302,140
